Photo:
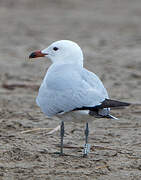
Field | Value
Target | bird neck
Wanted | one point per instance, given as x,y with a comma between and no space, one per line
77,60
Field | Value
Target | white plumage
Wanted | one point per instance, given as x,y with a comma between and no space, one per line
67,84
71,92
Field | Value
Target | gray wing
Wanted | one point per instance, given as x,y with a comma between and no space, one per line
69,90
97,84
94,81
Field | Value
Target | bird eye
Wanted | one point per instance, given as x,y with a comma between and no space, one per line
55,48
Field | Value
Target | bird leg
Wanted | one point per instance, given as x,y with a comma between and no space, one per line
62,131
86,146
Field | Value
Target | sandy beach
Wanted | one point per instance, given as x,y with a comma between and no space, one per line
109,33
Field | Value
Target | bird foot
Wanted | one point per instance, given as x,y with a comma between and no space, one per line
86,150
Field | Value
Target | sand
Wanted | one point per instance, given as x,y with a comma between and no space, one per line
109,33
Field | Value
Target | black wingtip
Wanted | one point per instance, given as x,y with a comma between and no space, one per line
114,103
107,103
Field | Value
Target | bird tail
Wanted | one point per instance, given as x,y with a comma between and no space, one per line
109,116
107,103
99,111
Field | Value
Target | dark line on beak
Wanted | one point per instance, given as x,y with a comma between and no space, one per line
32,55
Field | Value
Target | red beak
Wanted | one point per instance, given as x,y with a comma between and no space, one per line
37,54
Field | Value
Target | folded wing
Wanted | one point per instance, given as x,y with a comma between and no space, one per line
83,89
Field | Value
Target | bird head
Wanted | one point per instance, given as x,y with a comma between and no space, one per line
63,51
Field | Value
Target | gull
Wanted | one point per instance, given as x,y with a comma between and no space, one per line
71,92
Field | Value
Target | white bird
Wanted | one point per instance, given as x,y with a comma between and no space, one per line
71,92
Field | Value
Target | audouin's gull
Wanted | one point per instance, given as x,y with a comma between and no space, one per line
71,92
